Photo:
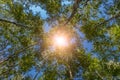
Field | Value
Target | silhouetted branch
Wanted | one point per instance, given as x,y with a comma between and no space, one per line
105,21
15,23
17,52
86,2
8,71
75,6
34,78
36,75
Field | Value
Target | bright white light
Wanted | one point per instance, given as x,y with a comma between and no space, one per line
60,41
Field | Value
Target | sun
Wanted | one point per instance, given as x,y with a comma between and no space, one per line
60,41
61,38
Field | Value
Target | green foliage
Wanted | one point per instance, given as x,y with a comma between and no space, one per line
51,6
26,62
25,46
114,32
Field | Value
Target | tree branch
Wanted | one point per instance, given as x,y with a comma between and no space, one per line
86,2
75,6
8,71
17,52
36,75
105,21
34,78
70,73
15,23
99,75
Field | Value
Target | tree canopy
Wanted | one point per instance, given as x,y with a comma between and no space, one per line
29,30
